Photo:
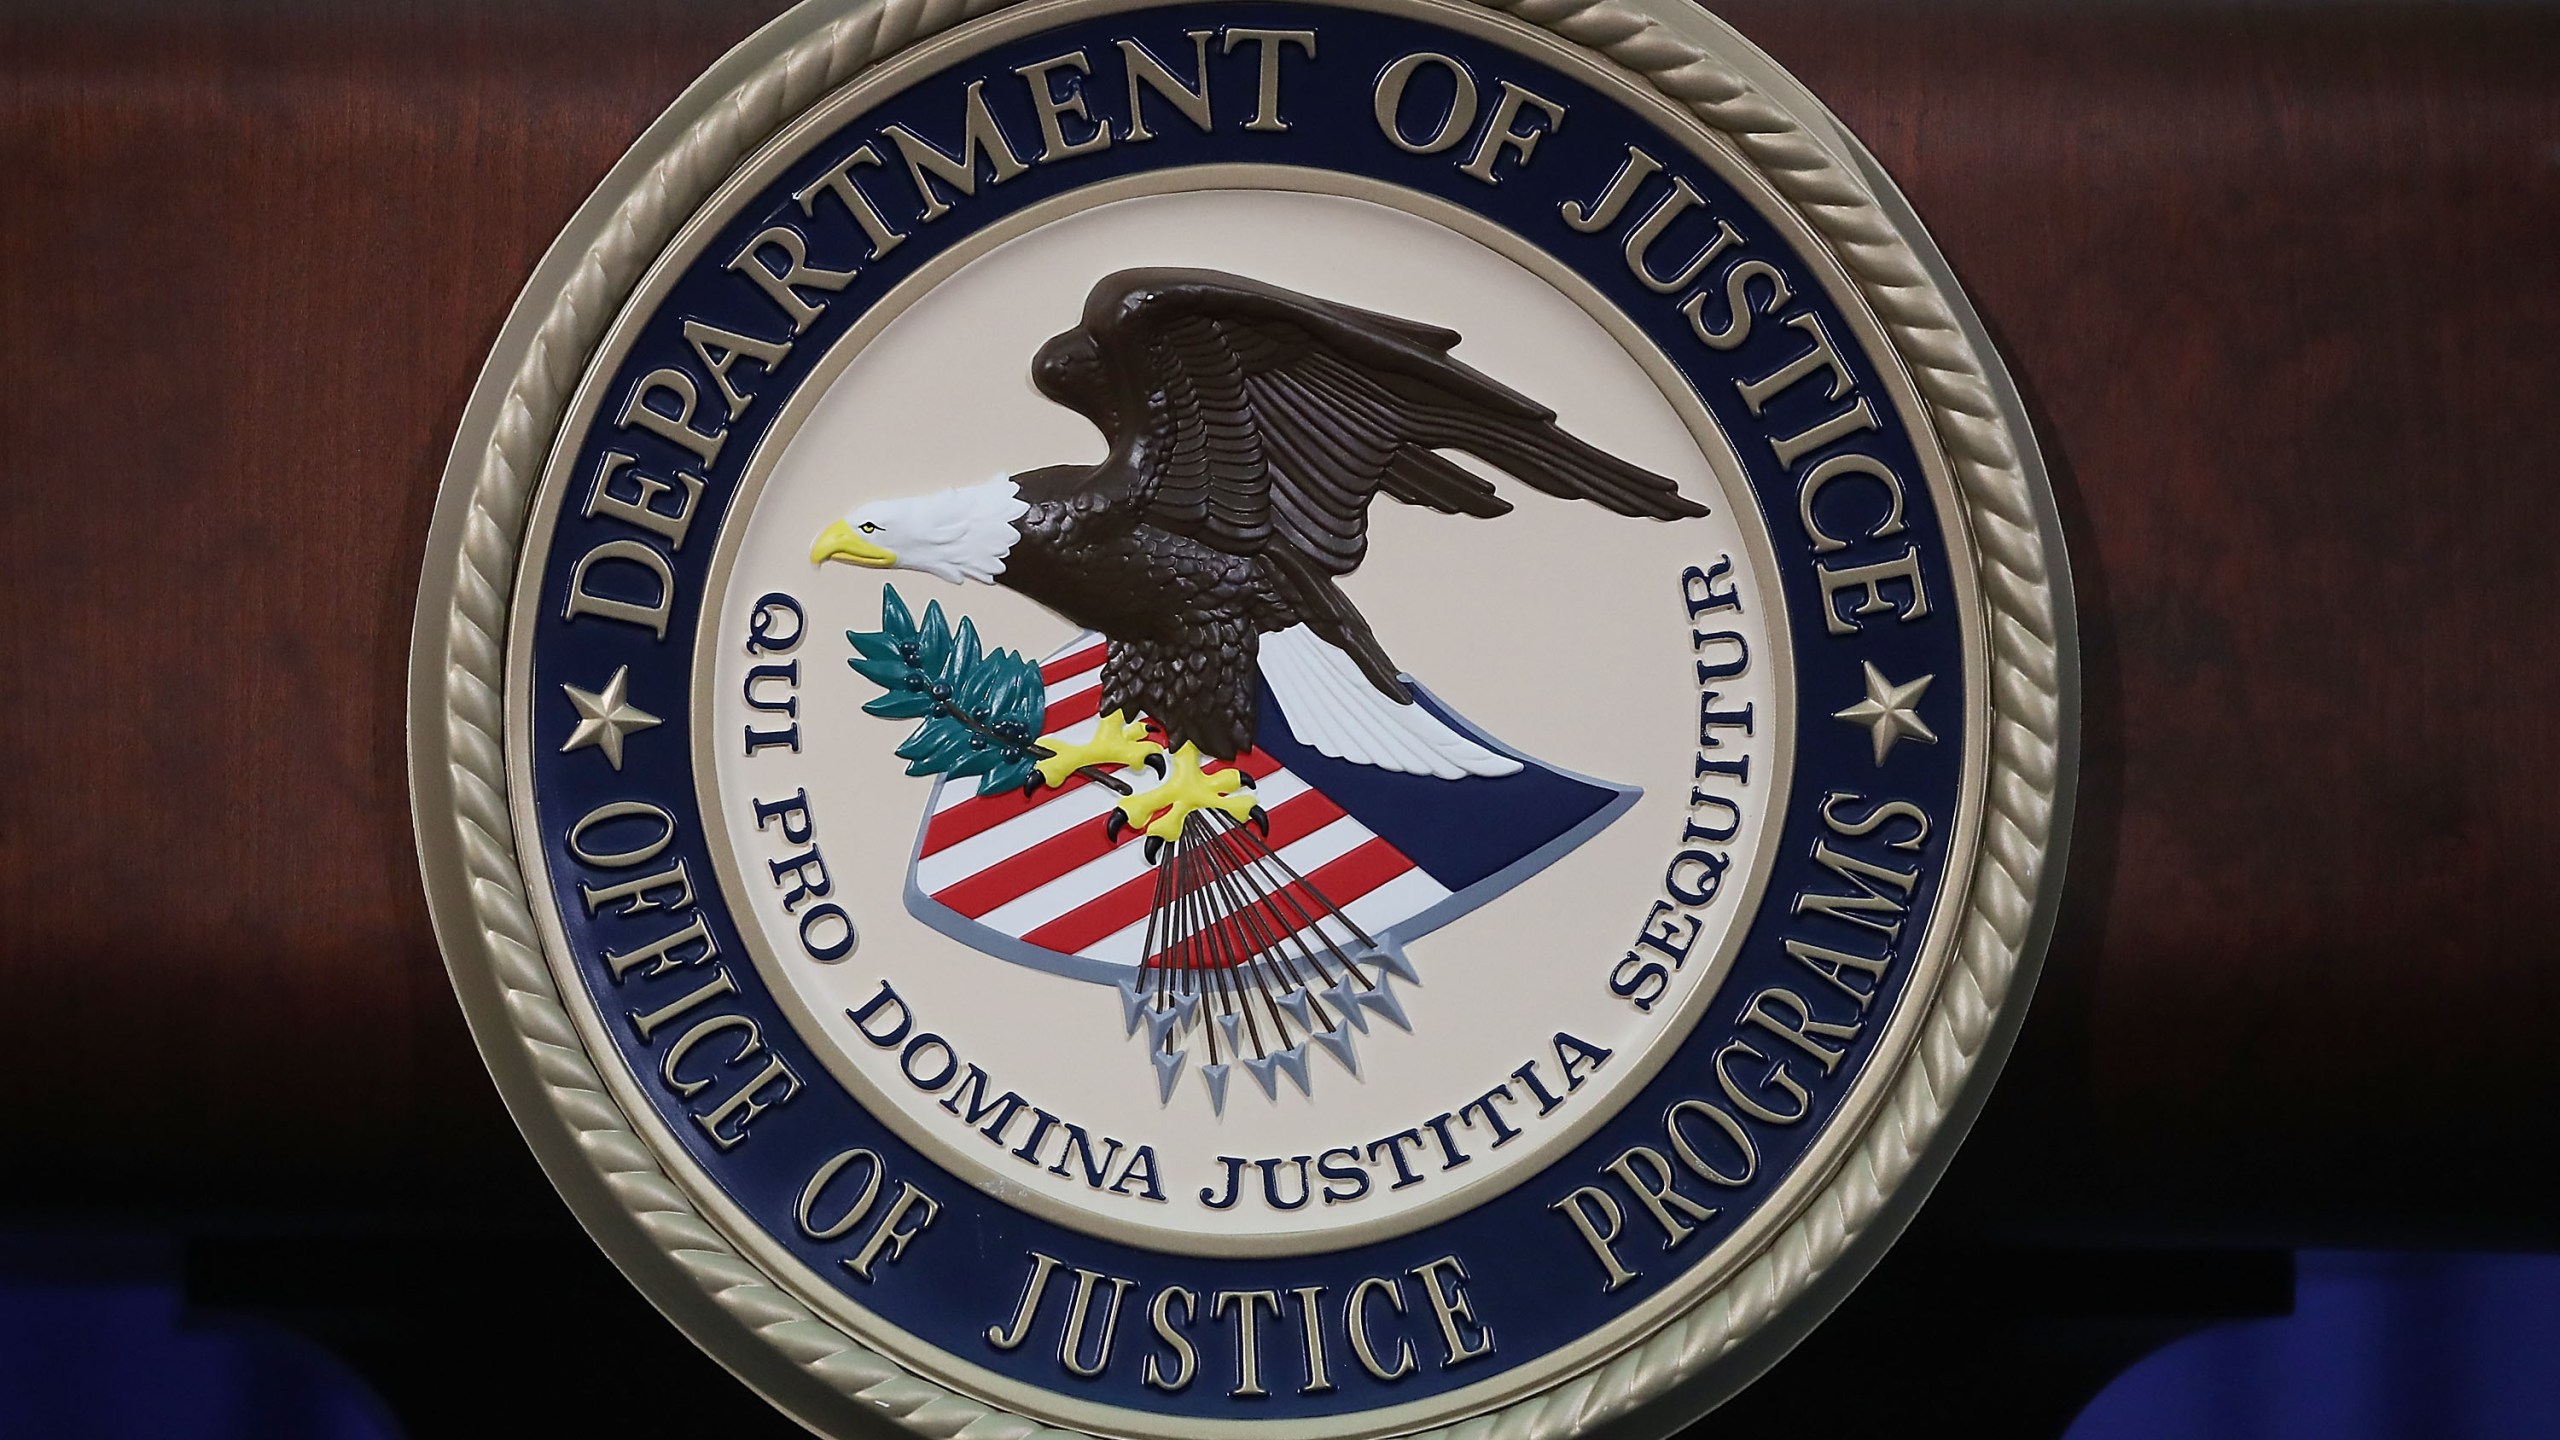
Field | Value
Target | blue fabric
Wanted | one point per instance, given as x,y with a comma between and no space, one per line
94,1345
2379,1347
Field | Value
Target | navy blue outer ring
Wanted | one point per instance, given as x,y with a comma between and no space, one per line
1536,1285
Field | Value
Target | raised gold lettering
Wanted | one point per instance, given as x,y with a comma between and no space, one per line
1051,109
979,136
1268,46
1142,67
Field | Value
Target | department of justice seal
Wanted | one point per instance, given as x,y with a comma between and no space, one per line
1243,719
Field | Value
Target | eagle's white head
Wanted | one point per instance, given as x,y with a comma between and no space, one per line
959,534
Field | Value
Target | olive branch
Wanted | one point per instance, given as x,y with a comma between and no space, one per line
982,709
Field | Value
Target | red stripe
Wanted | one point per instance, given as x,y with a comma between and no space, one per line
1073,663
1341,880
981,813
1082,705
1020,874
1126,903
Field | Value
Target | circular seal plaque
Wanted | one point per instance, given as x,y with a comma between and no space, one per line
1282,719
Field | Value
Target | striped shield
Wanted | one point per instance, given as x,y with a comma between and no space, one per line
1037,878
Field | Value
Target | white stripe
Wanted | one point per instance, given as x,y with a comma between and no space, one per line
950,794
1118,949
1086,804
1094,878
1077,646
1080,886
1392,903
1400,899
1089,880
943,869
1327,844
947,794
1071,687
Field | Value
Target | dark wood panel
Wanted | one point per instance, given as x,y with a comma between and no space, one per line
2278,279
2280,282
250,262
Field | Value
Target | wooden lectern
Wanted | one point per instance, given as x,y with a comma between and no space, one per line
2277,281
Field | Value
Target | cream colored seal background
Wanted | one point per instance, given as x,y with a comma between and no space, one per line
1479,1008
644,1218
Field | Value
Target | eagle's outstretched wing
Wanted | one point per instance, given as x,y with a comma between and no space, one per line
1262,422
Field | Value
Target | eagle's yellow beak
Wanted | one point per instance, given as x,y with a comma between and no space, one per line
842,542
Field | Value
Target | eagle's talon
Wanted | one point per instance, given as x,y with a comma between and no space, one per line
1155,847
1260,819
1156,763
1186,788
1117,742
1113,824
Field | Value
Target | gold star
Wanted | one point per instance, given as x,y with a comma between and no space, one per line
1889,712
604,719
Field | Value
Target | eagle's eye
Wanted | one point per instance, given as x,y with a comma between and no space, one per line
870,527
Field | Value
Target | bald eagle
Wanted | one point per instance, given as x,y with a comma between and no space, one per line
1250,428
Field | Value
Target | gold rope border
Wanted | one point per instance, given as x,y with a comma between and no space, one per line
2026,704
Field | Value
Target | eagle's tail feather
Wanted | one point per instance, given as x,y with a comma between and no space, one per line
1333,709
1323,608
